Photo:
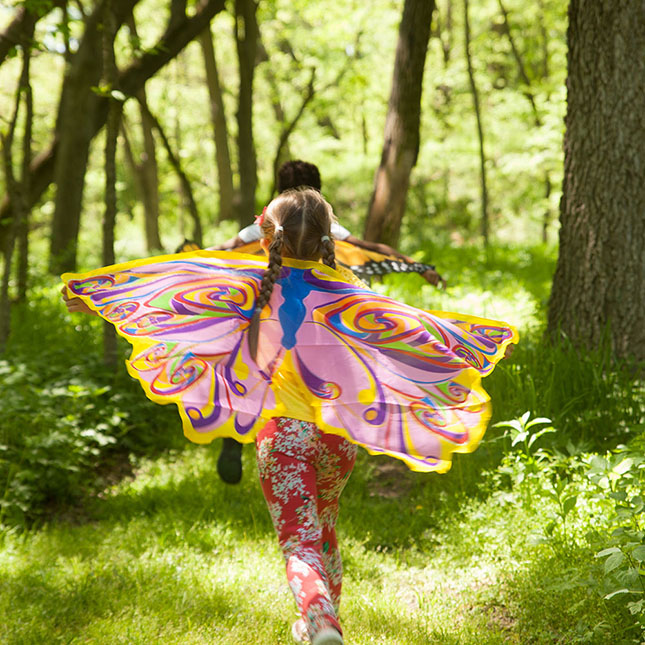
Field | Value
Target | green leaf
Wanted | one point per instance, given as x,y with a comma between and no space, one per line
604,552
614,561
639,553
569,504
615,593
622,467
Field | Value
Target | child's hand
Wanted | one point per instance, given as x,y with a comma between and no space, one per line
509,350
434,279
75,305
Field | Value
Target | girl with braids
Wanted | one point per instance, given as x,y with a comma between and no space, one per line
301,358
302,469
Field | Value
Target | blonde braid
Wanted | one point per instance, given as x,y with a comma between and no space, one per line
328,251
269,279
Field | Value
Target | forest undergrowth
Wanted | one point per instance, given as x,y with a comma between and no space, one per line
116,530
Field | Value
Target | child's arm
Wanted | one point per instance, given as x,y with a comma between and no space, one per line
75,305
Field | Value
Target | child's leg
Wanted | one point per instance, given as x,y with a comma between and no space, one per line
331,482
287,454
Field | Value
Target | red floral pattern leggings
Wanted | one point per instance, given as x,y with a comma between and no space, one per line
303,472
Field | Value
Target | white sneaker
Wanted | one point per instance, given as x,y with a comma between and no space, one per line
299,631
327,636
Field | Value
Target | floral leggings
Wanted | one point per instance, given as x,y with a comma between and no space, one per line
303,472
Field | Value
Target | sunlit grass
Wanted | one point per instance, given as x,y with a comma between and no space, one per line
176,556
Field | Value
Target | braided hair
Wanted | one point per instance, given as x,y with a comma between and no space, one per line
297,224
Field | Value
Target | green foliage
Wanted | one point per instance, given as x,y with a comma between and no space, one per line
63,418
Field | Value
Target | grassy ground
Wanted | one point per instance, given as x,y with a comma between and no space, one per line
173,555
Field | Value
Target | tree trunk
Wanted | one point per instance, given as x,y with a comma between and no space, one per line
74,132
149,178
401,141
183,178
287,128
530,97
599,283
246,38
111,135
147,168
480,128
17,190
220,129
22,227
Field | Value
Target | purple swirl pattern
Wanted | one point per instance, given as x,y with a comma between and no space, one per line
390,377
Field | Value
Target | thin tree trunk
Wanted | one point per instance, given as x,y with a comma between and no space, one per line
530,97
480,129
220,128
13,188
599,283
22,228
401,140
246,38
288,128
148,170
149,179
185,183
111,136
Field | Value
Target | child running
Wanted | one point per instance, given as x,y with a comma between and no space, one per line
304,360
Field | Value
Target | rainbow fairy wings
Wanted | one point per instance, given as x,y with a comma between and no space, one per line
394,379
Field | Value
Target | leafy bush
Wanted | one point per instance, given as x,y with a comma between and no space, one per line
65,417
594,506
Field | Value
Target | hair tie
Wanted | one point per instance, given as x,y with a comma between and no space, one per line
277,228
325,238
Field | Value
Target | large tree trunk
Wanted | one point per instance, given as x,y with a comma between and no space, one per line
220,129
246,38
599,283
401,146
74,132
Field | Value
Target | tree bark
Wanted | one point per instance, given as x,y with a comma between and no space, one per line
480,129
183,178
246,38
111,136
599,283
149,178
22,227
220,128
74,132
147,168
401,140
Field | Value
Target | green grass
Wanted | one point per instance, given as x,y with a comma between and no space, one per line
176,556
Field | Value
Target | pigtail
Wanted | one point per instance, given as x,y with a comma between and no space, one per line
269,279
328,251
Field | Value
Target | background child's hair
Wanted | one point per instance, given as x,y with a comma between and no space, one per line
298,225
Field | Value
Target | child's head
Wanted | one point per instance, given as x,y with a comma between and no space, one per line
296,224
296,173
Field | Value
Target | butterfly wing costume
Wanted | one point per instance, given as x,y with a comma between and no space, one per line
392,378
